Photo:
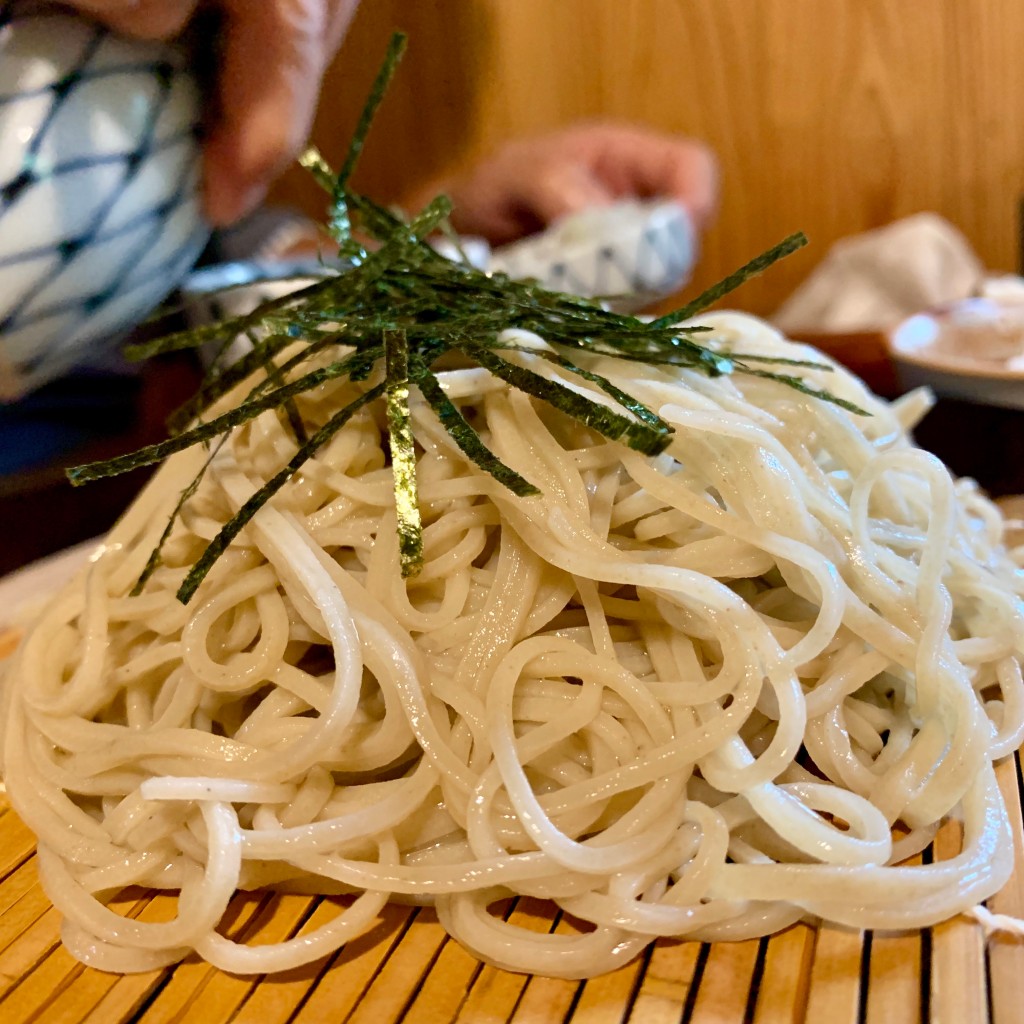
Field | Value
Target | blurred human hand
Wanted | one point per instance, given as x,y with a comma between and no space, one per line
531,182
274,55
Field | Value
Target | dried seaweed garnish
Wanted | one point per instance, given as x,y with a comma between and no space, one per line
464,435
394,307
220,381
403,452
627,401
340,220
650,440
156,555
241,519
242,413
276,377
758,265
799,384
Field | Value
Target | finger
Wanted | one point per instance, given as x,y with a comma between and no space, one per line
485,202
503,204
646,164
564,187
141,19
693,180
493,218
523,190
269,83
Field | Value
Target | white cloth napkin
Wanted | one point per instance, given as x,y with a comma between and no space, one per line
873,281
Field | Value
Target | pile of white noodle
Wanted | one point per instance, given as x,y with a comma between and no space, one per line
701,695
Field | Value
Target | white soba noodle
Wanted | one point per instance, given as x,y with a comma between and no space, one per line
700,695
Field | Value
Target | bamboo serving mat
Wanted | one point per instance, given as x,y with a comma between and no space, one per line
406,969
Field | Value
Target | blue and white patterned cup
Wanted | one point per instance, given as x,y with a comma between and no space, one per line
100,209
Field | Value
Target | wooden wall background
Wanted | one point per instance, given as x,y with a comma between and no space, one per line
828,115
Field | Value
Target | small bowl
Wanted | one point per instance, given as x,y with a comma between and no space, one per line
100,211
971,350
224,291
636,252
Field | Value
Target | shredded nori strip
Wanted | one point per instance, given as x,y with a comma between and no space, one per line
628,402
758,265
156,555
638,435
403,452
391,299
205,431
240,520
465,436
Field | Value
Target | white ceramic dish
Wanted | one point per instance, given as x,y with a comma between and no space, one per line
966,351
100,211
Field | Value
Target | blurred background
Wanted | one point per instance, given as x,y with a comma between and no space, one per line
830,117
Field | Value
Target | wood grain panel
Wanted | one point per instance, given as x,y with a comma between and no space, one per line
832,116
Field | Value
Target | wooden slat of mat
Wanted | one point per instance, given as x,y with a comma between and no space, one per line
351,972
36,968
959,988
546,999
494,994
726,983
833,987
894,979
17,843
22,902
122,1000
30,949
222,994
277,1000
79,999
665,985
443,988
31,999
782,993
607,998
394,987
188,980
17,884
61,988
1005,953
894,976
131,991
